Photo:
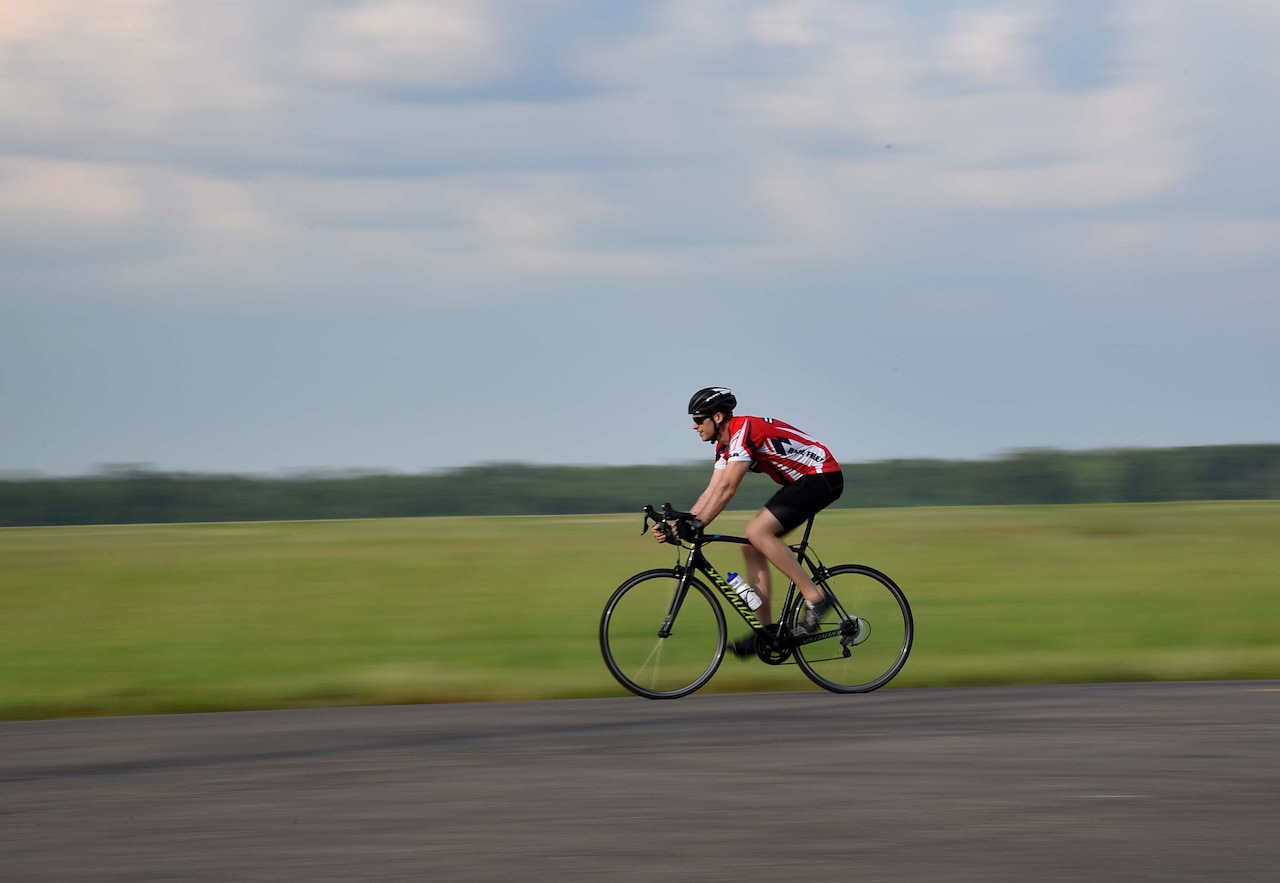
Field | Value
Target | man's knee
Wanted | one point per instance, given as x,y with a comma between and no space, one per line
764,526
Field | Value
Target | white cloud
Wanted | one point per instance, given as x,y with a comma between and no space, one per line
59,217
127,74
52,194
990,47
784,24
760,132
867,124
432,44
33,21
1111,147
1175,244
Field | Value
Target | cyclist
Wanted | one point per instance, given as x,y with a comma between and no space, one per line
810,477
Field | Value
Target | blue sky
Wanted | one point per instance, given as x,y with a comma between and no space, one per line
382,234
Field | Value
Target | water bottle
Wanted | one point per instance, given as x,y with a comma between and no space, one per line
744,590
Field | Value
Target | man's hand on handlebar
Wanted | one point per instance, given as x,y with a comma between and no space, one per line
671,526
688,528
685,527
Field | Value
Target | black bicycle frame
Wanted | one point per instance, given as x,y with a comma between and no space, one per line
697,562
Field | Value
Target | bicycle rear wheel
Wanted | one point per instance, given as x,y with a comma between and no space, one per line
865,637
635,649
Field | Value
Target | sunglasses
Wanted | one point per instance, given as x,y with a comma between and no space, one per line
702,418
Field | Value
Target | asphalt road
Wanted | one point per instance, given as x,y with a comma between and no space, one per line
1121,782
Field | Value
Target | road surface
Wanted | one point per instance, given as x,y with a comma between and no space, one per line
1102,782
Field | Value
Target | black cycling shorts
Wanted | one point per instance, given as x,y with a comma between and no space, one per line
807,496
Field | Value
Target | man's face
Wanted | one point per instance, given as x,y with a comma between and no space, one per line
705,425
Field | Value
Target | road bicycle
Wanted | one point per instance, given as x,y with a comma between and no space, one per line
663,632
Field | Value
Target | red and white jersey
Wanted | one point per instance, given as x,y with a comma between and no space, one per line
777,449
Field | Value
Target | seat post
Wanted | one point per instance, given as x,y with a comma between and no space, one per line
804,542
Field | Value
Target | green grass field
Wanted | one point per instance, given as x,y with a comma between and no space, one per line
141,619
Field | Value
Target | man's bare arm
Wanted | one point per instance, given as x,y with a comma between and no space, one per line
724,484
716,476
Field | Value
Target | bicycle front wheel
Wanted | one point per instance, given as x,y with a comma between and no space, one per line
658,645
865,636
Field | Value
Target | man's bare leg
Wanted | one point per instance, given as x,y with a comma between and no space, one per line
758,574
765,533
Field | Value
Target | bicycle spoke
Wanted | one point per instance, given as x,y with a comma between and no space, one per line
648,664
645,674
866,635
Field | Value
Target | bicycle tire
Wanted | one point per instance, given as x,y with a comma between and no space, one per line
646,663
869,632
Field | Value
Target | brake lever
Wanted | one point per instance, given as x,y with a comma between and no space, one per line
671,533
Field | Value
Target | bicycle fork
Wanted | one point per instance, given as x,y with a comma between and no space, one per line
682,589
686,572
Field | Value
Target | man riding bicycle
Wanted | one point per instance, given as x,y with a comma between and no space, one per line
810,477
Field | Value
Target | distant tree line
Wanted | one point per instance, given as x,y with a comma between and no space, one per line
140,495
